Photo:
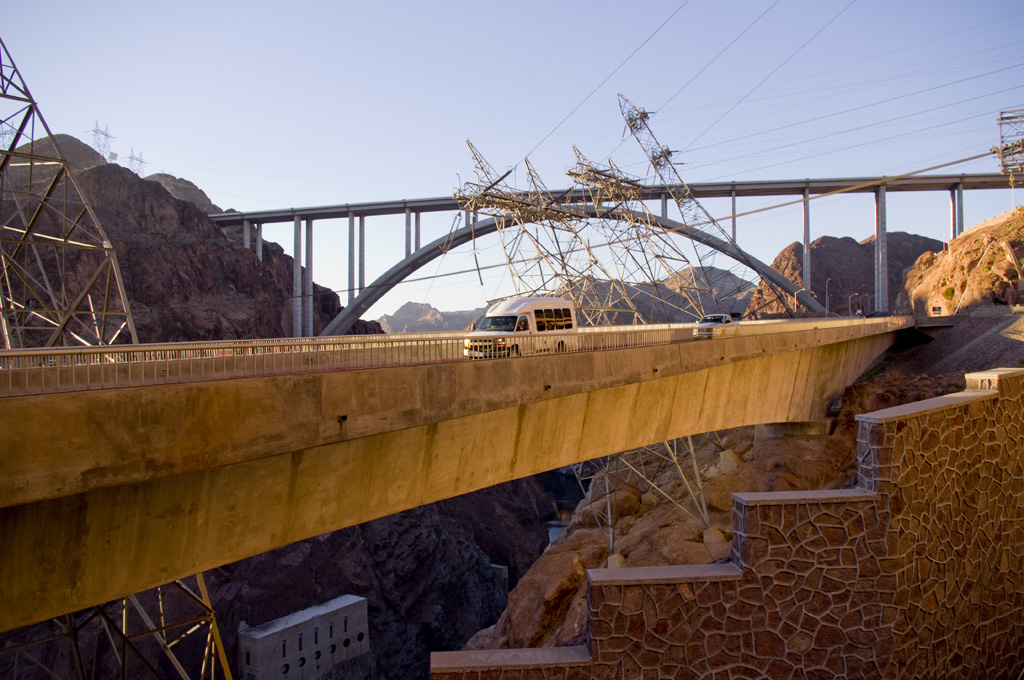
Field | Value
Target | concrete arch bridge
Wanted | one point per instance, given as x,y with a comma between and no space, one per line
359,293
391,278
173,459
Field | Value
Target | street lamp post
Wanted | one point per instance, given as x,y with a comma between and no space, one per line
849,302
826,294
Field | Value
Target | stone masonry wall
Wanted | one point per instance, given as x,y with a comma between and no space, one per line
953,475
917,573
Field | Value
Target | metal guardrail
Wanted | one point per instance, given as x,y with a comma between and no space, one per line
45,371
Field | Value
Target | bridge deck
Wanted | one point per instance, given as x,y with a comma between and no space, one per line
116,490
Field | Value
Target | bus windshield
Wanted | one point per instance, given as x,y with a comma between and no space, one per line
497,323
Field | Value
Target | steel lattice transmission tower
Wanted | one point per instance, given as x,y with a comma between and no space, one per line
1011,143
60,282
694,216
595,243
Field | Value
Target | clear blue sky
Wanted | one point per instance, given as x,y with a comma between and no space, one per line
266,106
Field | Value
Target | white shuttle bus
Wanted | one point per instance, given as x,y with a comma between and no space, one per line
516,326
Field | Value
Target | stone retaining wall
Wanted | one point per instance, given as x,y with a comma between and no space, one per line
917,573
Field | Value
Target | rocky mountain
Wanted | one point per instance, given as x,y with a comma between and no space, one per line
683,297
419,317
849,265
982,267
185,280
184,190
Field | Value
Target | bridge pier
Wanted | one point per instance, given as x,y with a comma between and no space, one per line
732,193
408,232
807,240
297,280
362,253
956,210
351,257
881,254
302,281
308,283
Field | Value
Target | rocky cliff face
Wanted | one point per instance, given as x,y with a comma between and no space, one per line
184,190
849,265
185,280
982,267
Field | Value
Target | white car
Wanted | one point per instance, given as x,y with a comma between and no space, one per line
705,328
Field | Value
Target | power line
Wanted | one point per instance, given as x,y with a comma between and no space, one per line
854,129
720,53
773,72
535,68
705,67
609,76
856,108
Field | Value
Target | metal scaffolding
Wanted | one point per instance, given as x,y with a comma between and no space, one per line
59,283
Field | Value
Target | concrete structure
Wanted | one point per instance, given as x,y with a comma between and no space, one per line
915,573
140,486
807,190
307,643
389,279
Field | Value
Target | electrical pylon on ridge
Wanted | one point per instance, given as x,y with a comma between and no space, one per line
1011,143
618,267
59,284
693,214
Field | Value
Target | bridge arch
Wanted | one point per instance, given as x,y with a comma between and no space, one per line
392,277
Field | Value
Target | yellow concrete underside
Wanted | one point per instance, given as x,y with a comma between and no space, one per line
113,492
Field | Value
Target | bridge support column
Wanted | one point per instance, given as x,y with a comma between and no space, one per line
307,284
807,240
259,241
733,195
362,253
351,257
664,207
959,207
408,232
881,254
417,231
246,226
297,280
